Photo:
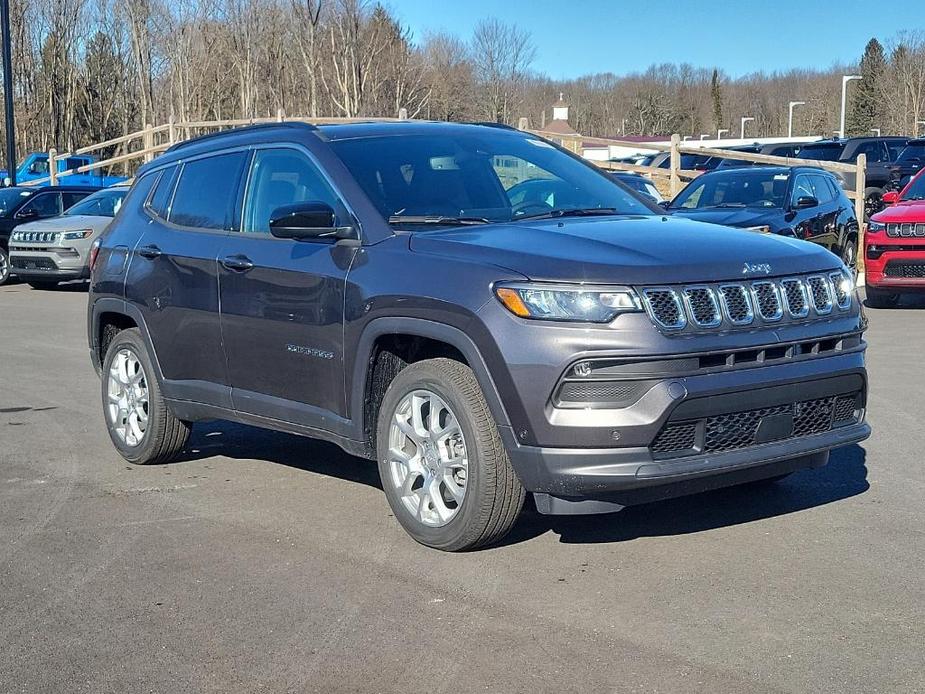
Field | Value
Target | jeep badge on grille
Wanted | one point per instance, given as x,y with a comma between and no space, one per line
753,268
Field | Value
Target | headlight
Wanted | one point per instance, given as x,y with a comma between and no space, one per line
763,229
875,226
567,302
74,235
846,283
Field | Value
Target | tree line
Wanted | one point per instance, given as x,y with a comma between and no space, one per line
85,71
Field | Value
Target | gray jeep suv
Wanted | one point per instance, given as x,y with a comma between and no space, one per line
403,290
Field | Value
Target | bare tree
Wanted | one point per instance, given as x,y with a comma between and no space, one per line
502,55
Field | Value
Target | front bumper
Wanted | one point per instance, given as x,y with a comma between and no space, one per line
62,264
881,251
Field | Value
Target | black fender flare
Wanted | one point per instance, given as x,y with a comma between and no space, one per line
422,328
125,308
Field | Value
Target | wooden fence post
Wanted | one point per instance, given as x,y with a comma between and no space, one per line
148,142
52,167
860,184
675,155
171,130
280,115
523,123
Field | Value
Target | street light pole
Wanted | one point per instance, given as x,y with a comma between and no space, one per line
790,116
844,88
745,119
719,133
8,91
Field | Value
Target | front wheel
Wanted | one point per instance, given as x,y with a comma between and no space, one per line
141,427
849,252
443,467
4,266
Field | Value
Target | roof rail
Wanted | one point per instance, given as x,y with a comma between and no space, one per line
493,124
244,129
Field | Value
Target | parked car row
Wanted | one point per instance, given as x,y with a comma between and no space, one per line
46,233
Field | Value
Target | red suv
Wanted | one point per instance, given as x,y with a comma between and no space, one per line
895,246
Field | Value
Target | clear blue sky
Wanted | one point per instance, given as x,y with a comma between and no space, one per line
578,37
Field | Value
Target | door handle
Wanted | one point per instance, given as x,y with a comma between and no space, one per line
151,252
239,263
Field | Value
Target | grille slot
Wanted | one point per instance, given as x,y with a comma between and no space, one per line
845,408
25,262
820,293
767,301
665,308
735,302
795,296
677,437
601,392
702,306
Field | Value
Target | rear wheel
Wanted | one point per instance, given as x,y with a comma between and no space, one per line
43,285
443,467
141,427
881,298
4,266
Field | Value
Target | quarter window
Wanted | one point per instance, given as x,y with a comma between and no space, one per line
206,192
159,203
281,177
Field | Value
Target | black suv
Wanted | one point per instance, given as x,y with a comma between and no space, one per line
388,287
907,164
881,153
800,201
21,204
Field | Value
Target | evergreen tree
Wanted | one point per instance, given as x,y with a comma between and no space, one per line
866,111
717,95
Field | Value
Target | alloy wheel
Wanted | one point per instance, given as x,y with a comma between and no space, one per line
128,397
427,458
4,267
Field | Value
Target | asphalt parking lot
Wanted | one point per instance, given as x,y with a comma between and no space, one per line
269,562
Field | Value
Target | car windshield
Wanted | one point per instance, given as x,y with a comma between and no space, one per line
765,189
10,199
478,175
821,152
915,152
915,190
103,203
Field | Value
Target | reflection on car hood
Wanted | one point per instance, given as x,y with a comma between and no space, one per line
736,216
67,223
624,250
905,211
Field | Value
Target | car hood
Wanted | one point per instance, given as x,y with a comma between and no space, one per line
67,223
734,216
908,211
626,250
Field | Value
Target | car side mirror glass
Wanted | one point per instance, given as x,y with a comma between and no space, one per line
891,197
312,219
665,204
806,201
31,213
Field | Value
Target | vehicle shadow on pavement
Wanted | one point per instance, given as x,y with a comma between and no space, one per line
844,476
243,442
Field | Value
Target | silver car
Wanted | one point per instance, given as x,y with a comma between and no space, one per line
49,251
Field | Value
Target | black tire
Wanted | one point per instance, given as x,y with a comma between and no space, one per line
873,202
42,285
494,495
4,266
881,298
165,435
849,252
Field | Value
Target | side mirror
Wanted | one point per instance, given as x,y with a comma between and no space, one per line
31,213
304,220
806,201
664,204
891,197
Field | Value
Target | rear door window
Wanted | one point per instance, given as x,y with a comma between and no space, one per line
68,199
207,192
159,203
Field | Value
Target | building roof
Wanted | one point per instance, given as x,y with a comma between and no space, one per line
560,127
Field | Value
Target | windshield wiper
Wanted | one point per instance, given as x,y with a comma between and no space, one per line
436,219
572,212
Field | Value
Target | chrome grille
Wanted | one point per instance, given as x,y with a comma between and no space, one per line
736,305
767,301
820,294
665,308
795,297
35,236
739,304
905,229
702,306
